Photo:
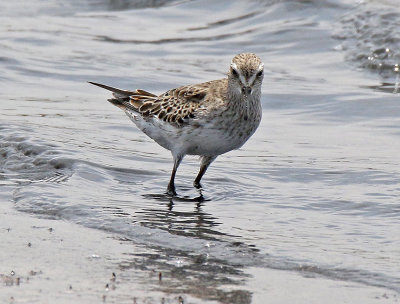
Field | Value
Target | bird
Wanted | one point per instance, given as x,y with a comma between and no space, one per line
206,119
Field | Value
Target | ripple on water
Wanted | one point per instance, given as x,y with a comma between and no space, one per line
370,38
23,160
178,229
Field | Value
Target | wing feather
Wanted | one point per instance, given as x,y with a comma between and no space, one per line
175,106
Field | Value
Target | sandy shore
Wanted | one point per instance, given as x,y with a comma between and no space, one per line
52,261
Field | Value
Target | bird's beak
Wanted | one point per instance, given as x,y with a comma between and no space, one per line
246,90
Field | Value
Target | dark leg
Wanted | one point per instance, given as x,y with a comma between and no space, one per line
171,185
205,162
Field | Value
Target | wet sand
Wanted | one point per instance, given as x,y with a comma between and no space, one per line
50,261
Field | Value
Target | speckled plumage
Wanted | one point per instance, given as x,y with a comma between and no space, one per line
206,119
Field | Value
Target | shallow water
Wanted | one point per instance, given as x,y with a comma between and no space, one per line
315,191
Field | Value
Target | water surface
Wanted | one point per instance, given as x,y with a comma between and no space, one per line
313,193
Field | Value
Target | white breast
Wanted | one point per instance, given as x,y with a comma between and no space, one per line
209,137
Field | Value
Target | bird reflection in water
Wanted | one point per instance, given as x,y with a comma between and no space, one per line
191,223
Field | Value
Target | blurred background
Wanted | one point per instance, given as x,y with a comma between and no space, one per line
306,212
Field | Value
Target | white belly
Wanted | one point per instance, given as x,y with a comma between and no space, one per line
198,138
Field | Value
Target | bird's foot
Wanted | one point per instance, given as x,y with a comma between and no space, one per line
171,190
197,185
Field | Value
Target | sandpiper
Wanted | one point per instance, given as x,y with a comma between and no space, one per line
206,119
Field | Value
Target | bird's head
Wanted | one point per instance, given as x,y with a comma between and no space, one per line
246,74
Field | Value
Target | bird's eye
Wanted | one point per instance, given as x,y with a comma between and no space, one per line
234,72
259,74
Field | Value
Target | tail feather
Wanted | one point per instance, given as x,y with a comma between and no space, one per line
122,98
119,92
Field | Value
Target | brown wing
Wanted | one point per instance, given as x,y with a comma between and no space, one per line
174,106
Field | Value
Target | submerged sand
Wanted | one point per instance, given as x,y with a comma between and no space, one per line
52,261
